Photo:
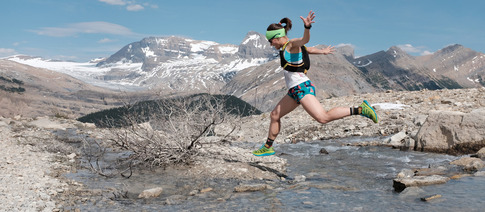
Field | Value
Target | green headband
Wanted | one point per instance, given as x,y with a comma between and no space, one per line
275,33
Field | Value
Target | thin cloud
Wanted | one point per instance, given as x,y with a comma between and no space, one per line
131,5
345,44
7,52
98,27
135,7
421,50
106,40
114,2
426,53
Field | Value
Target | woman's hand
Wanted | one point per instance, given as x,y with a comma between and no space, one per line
328,50
308,21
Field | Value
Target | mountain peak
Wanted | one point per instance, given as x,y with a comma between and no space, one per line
397,52
255,45
450,48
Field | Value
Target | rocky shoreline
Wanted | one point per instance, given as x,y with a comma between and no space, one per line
35,160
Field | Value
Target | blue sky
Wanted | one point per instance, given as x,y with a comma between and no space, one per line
81,30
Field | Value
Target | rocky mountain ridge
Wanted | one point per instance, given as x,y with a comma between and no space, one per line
250,71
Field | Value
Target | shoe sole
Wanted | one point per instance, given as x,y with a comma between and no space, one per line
367,103
265,154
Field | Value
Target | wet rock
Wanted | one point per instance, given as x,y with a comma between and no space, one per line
411,192
151,193
298,179
458,176
480,174
323,151
405,173
251,188
452,131
409,143
397,139
428,198
400,184
469,164
430,171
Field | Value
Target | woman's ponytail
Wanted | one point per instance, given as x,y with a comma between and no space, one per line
285,21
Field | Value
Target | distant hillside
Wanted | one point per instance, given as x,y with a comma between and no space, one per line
31,92
145,110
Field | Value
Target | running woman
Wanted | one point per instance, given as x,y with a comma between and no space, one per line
295,62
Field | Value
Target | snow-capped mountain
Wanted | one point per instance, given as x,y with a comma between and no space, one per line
182,64
249,70
174,64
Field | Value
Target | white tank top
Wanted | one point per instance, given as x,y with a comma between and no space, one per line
294,78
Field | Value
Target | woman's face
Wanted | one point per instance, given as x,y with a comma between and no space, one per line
278,42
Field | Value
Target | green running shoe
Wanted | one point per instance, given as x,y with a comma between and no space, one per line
263,151
368,111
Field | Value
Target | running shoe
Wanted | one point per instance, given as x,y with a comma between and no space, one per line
368,111
263,151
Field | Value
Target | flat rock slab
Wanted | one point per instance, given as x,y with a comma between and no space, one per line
400,184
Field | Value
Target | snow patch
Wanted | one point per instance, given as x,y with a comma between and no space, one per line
473,80
201,46
148,52
390,106
228,49
87,72
366,64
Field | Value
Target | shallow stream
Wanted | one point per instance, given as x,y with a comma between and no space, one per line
349,178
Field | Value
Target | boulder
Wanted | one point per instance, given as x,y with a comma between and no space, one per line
151,193
452,132
420,120
481,153
480,174
397,140
469,164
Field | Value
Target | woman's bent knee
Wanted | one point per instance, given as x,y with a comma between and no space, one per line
322,119
275,115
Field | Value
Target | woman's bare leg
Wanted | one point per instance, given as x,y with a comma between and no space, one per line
286,105
313,107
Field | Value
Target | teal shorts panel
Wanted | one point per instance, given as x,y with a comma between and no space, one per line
299,91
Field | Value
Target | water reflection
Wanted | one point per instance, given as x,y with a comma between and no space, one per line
349,178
